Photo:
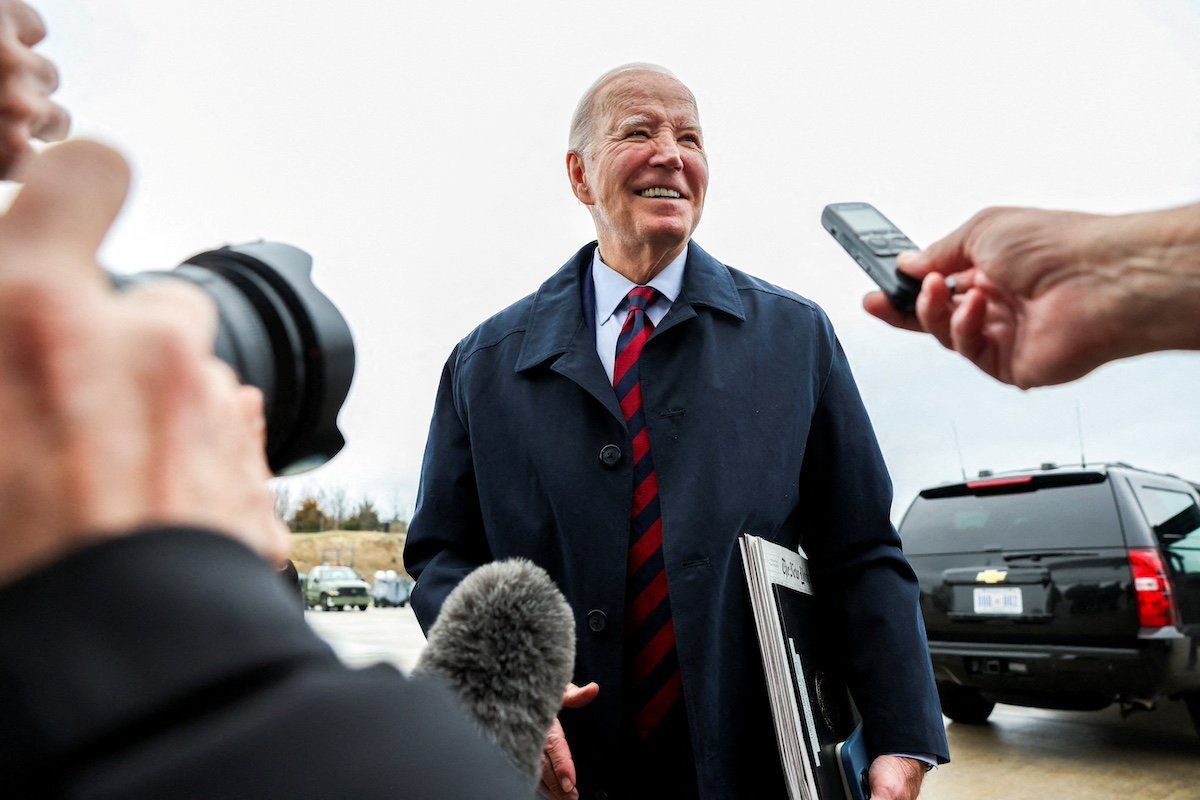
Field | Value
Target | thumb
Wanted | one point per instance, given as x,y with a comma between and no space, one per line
72,194
945,256
580,696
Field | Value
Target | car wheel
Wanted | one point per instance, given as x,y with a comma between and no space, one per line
1193,706
327,603
362,608
963,704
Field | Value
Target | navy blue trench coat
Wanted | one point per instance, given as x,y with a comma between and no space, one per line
756,426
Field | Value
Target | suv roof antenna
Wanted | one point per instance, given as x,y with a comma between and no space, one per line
1079,427
958,448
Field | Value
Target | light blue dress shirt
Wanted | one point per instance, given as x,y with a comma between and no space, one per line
611,309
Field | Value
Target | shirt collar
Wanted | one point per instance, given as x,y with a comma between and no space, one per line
612,287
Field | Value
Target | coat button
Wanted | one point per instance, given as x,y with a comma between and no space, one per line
597,620
610,455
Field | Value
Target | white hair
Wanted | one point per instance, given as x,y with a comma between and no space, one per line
583,122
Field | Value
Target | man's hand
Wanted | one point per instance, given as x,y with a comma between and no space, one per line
558,769
26,82
113,412
1045,297
895,778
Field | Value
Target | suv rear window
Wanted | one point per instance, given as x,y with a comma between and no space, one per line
1046,519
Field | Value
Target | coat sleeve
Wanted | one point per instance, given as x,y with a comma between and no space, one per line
176,663
446,538
868,586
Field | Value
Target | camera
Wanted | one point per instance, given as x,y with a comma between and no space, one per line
280,334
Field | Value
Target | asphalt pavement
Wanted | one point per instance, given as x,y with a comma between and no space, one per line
1021,754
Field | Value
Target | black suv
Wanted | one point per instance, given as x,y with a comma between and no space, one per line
1060,587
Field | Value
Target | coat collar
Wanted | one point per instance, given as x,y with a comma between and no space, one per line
563,308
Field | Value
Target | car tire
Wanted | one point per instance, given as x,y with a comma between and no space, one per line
325,604
1193,706
964,704
362,608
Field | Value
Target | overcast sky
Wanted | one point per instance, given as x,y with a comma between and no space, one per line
416,150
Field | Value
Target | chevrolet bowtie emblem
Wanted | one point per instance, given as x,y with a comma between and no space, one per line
991,576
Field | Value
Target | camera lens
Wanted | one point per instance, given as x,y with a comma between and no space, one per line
281,334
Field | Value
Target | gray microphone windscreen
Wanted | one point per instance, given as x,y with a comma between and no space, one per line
505,643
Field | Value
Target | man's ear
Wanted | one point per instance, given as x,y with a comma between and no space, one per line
578,177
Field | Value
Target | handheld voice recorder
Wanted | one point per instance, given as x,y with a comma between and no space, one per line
874,242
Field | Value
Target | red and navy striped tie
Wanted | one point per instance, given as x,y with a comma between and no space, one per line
653,679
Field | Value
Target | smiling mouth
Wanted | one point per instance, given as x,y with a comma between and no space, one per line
660,191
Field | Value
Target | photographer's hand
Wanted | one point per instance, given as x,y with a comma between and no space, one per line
26,82
1045,297
113,412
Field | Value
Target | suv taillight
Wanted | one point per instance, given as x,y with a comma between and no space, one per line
1152,588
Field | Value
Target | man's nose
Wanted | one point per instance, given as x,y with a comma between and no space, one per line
666,152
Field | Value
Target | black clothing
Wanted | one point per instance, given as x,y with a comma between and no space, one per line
176,664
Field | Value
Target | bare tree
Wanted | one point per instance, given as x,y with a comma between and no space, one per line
336,505
282,490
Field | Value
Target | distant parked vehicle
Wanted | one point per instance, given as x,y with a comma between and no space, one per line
334,588
390,589
1068,588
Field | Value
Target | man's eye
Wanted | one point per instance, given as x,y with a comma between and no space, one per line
690,137
643,134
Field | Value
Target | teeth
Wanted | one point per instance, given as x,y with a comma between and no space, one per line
658,191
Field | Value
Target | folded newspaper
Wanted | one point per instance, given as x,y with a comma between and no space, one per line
809,702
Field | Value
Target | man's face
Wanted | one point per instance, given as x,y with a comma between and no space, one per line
647,172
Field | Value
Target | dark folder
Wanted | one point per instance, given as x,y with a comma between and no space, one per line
810,705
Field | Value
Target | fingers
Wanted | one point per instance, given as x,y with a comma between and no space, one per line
966,326
878,305
27,80
28,24
250,410
558,768
580,696
947,255
560,779
52,123
275,542
176,305
934,308
72,195
895,778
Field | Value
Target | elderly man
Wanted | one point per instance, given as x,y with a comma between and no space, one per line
621,427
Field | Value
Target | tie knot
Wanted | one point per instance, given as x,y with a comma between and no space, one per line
641,297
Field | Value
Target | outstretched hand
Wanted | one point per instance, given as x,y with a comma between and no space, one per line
1028,307
113,412
1044,297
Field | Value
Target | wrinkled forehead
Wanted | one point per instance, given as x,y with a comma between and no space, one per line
638,94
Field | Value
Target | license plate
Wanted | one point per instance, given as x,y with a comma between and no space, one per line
998,600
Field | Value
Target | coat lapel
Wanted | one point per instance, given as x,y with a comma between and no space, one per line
706,282
560,330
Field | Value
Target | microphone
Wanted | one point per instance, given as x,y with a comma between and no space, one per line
504,641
